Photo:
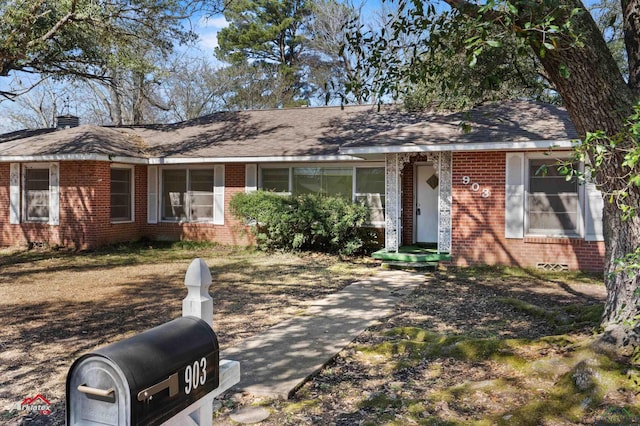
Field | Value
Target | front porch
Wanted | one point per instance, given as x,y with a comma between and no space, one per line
413,256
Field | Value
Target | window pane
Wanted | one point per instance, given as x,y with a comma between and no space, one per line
370,190
37,194
325,181
553,203
338,182
307,180
370,180
174,186
201,180
201,195
121,194
276,180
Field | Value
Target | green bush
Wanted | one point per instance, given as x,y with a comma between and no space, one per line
306,222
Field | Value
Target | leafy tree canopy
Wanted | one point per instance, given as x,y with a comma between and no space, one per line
82,38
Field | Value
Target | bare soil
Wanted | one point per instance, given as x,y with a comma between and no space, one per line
475,346
56,306
470,346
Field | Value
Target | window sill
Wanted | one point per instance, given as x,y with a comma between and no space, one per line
118,222
552,239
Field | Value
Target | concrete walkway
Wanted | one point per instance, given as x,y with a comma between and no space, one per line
276,362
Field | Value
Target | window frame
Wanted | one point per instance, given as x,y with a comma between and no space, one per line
23,192
187,191
132,187
557,233
353,166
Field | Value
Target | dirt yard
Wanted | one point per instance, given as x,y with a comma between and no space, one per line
471,346
56,306
480,346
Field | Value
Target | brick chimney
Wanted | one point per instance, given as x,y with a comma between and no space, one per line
67,121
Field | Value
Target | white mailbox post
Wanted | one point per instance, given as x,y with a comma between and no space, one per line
199,304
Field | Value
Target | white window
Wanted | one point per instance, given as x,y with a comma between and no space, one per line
332,181
540,201
553,202
122,191
370,190
276,180
36,194
193,195
360,184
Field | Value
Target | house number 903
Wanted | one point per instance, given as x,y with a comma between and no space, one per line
195,375
475,187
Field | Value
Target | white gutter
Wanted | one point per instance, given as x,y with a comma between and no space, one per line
175,160
271,159
475,146
73,157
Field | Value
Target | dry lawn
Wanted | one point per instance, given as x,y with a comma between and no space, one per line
55,306
483,346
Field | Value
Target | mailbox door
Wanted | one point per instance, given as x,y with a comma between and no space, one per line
97,394
196,379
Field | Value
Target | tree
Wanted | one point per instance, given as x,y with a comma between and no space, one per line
330,66
39,107
84,38
263,33
578,63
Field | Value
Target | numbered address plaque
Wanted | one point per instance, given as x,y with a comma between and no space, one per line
475,187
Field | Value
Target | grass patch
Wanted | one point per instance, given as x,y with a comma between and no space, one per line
490,272
566,319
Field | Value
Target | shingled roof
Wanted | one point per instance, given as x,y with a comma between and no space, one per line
490,126
325,132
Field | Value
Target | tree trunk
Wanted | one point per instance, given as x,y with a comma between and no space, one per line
598,98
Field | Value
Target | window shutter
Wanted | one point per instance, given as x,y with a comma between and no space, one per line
54,194
152,194
514,196
218,195
593,212
250,178
14,193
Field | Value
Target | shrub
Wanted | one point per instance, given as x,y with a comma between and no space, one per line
305,222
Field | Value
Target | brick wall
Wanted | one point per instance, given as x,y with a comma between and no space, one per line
232,232
479,222
85,212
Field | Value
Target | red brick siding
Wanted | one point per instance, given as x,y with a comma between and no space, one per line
479,223
85,212
232,232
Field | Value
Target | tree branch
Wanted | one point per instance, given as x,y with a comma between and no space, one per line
54,30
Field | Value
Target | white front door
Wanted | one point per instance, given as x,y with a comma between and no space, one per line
426,210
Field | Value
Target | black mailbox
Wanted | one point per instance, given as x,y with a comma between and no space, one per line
145,379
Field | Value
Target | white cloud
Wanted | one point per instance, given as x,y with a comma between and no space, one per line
208,40
213,22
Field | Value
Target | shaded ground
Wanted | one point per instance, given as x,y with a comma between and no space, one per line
474,346
55,306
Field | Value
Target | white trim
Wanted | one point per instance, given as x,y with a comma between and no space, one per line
54,194
514,200
73,157
152,195
580,193
132,189
594,205
250,178
52,218
218,194
474,146
274,159
346,153
14,194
